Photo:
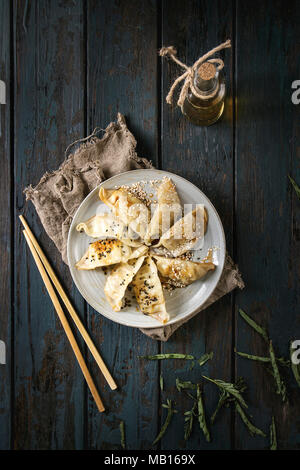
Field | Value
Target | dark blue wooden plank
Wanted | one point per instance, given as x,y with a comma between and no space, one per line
268,213
122,77
204,156
5,226
49,114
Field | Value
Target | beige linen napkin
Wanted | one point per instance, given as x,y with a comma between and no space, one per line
58,195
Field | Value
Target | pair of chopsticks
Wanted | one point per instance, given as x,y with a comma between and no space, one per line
47,273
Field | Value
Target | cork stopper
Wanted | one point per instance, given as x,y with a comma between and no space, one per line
206,71
206,76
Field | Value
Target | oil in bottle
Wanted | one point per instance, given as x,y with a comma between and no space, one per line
204,103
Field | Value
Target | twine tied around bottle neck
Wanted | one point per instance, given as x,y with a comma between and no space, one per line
189,75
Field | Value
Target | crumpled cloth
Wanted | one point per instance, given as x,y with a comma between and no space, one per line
58,195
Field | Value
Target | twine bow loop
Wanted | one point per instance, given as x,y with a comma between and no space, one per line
167,50
189,74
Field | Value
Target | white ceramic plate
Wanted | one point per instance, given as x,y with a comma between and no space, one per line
180,303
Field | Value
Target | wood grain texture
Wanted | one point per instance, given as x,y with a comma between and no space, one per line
49,390
5,227
267,149
121,67
75,64
205,157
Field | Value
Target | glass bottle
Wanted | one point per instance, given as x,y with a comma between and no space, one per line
207,108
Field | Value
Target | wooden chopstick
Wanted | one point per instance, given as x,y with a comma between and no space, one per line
65,324
69,307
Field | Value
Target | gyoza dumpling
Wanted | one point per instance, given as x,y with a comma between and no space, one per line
149,293
166,192
186,232
118,280
167,211
183,271
131,210
107,252
109,226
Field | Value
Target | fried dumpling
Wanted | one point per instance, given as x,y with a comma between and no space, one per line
186,232
139,251
182,271
130,209
149,293
167,211
119,279
107,252
166,192
109,226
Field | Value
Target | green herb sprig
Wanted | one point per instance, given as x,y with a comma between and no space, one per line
171,412
280,387
280,360
295,186
189,420
204,358
273,437
201,414
223,401
184,385
251,428
122,432
161,382
189,415
230,388
233,393
160,357
225,398
262,331
188,357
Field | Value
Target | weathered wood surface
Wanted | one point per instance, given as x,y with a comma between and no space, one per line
121,60
5,225
74,65
267,211
204,156
49,113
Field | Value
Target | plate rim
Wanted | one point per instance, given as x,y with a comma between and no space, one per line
223,240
